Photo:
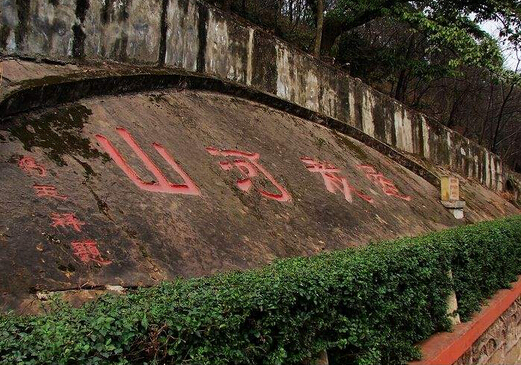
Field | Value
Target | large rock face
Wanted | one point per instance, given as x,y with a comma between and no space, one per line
135,189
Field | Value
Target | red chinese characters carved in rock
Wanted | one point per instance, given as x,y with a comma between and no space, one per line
66,220
249,167
48,191
29,165
87,251
333,180
387,185
162,185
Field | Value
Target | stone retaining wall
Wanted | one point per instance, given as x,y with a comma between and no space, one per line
500,344
194,36
491,337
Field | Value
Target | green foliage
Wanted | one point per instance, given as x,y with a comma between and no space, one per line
496,256
469,44
366,306
445,33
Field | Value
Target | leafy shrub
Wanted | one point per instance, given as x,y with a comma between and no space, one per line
485,258
366,306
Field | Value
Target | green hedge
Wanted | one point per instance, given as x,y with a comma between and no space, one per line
366,306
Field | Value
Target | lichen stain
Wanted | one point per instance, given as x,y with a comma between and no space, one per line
58,132
184,4
78,45
350,145
5,31
23,8
81,9
119,51
115,10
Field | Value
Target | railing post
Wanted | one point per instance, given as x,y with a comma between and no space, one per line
321,359
452,310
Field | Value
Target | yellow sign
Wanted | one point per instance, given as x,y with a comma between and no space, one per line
449,188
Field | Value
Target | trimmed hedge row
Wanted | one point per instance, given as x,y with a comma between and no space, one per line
366,306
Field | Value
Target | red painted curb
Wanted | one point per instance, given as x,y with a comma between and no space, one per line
446,348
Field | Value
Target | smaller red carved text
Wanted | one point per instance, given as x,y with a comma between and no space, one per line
29,165
66,220
87,251
48,191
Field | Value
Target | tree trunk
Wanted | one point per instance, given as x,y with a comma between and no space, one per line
333,27
401,86
403,77
485,121
332,30
451,122
499,125
320,27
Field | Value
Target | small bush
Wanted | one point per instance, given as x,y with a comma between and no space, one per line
365,306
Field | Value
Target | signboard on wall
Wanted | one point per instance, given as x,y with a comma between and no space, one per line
449,188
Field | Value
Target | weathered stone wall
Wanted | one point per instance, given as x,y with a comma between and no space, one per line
513,186
500,344
194,36
491,337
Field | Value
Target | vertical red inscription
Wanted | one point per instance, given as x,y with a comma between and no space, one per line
162,185
66,220
387,185
333,180
249,166
87,251
48,191
28,164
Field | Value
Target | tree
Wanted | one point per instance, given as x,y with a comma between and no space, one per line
320,26
450,25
